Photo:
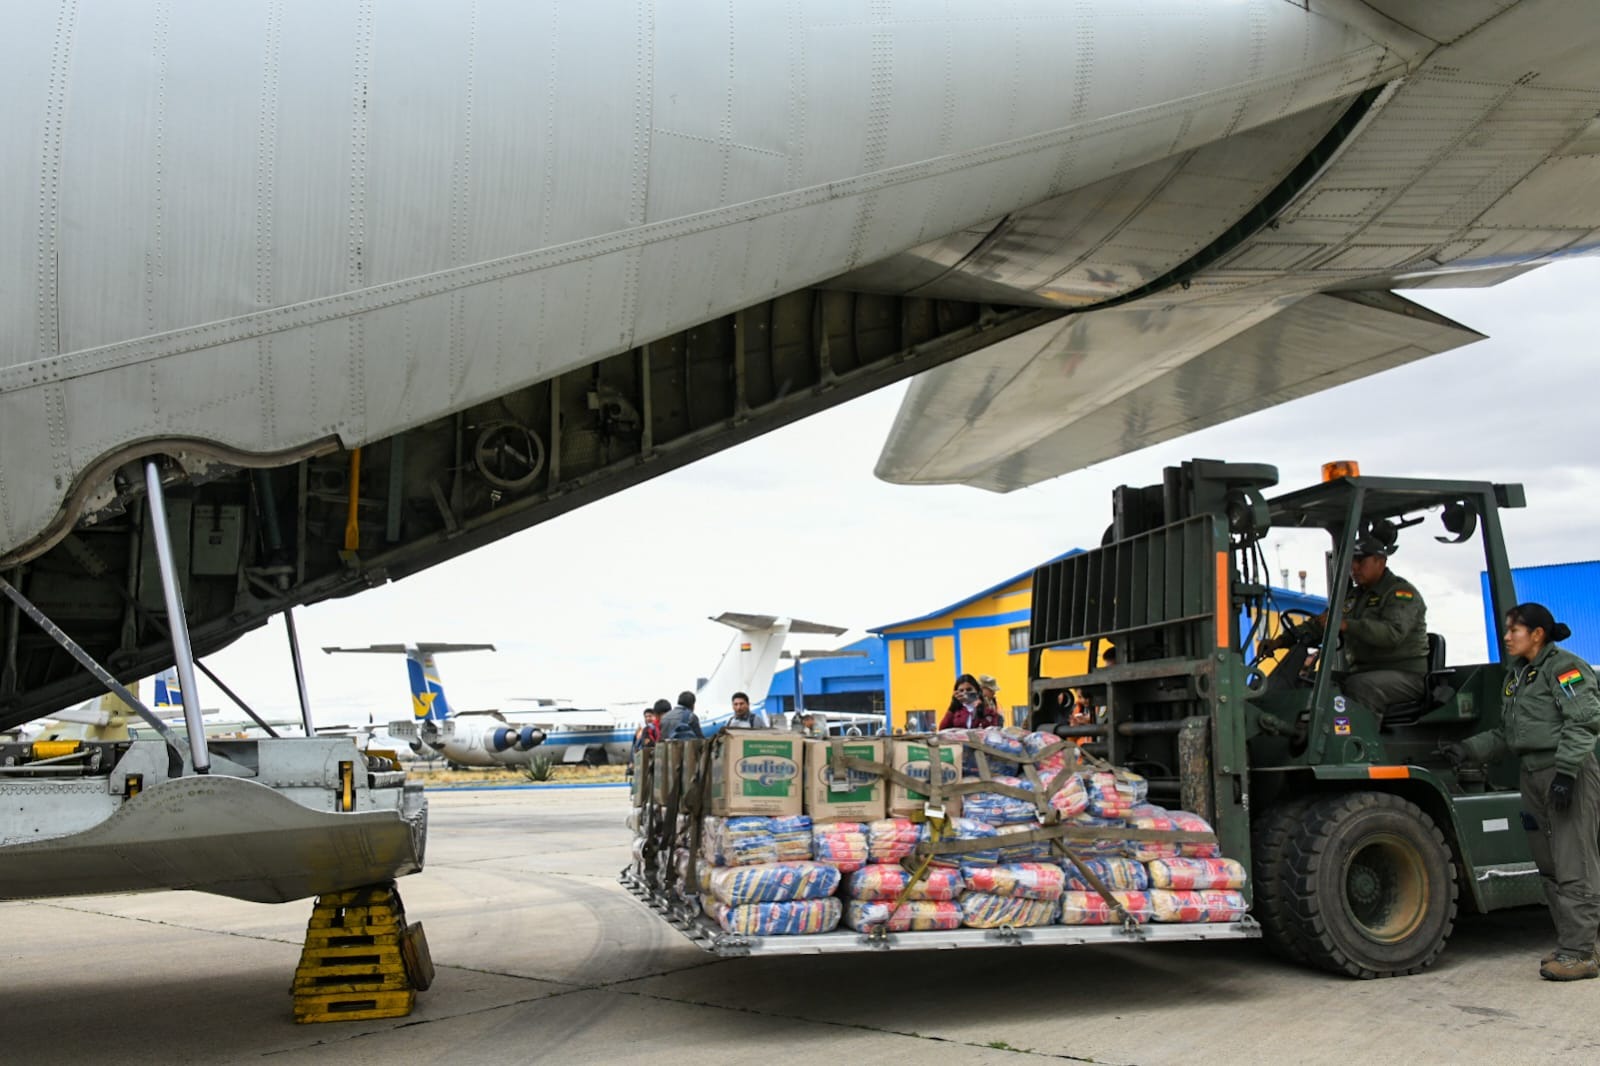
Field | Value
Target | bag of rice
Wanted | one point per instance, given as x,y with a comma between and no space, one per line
887,881
745,840
797,917
1190,874
791,835
773,882
1193,823
922,914
840,844
891,839
1206,905
979,910
1091,908
1114,872
1023,880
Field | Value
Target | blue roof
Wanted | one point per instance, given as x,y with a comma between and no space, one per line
990,591
1570,590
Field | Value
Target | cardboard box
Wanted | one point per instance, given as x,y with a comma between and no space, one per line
757,772
911,758
863,801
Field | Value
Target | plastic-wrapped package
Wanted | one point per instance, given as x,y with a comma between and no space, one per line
922,914
1038,851
997,809
1206,905
1065,759
1071,798
979,910
792,837
773,882
1008,742
1189,822
886,881
841,844
1091,908
796,917
741,841
891,839
1110,844
1022,880
967,829
1115,872
1146,850
1113,793
1190,874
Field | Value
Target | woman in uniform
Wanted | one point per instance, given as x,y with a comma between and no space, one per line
1550,718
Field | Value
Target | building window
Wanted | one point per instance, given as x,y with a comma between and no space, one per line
919,721
919,650
1019,639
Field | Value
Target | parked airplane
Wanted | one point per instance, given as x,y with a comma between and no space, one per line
558,730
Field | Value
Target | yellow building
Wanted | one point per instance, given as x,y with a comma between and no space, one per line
987,633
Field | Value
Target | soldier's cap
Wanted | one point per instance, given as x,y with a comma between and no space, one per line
1367,544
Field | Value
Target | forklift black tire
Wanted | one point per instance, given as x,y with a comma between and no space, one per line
1269,847
1371,889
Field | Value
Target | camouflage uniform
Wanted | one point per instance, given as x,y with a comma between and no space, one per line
1385,643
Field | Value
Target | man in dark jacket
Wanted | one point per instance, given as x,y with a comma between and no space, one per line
681,723
1384,631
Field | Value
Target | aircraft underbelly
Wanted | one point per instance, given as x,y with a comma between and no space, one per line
224,835
445,209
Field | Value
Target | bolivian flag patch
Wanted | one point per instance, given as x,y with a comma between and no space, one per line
1570,678
1404,594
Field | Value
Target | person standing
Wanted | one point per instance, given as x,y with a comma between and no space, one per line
967,709
1550,718
681,723
744,717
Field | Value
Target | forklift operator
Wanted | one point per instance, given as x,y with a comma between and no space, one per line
1384,632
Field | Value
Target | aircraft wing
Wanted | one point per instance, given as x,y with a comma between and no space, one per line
1090,387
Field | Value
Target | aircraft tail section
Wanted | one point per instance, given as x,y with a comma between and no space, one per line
169,693
428,701
749,662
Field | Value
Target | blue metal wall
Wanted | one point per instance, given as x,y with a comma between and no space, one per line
1570,590
869,674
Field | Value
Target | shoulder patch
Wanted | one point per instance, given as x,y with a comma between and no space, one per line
1404,594
1570,678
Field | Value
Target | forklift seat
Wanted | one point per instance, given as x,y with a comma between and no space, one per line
1436,688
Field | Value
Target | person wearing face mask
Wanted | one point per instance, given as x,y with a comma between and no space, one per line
967,707
1550,719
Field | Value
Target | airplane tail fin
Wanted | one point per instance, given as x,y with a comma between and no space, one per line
169,693
428,701
750,661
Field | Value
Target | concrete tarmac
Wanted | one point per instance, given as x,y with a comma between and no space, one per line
543,957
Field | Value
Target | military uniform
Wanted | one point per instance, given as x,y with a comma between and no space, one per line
1550,718
1385,643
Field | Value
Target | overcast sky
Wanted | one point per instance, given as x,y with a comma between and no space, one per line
611,602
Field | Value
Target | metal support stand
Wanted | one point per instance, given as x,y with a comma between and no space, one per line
86,660
182,652
299,671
